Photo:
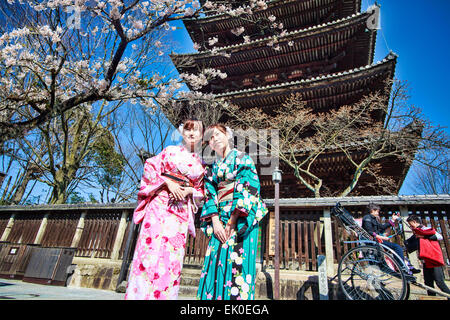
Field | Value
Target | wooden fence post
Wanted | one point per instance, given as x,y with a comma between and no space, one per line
41,230
8,228
79,231
328,234
119,237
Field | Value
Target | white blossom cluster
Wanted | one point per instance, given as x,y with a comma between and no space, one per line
98,51
197,81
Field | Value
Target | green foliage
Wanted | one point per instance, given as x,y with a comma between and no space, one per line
92,198
75,197
105,155
110,162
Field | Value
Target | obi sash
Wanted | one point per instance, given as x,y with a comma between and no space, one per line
190,206
178,178
225,192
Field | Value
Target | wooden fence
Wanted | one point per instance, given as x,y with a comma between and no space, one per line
60,229
92,229
303,231
306,228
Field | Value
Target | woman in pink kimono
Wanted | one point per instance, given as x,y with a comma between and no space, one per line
171,189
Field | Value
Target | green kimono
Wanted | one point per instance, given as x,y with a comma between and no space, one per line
232,184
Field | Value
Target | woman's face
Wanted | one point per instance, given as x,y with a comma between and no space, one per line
218,141
193,135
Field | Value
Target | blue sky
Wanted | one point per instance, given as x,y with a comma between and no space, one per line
419,33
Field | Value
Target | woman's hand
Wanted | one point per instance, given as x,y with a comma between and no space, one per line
219,230
231,226
395,216
185,192
176,191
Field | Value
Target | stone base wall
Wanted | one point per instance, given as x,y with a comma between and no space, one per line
95,273
294,286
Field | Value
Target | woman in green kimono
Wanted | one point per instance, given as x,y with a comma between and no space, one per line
230,216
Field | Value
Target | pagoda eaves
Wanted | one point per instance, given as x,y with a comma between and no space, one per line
294,14
320,93
336,46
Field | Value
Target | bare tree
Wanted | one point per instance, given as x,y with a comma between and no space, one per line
15,193
19,174
134,135
61,150
431,179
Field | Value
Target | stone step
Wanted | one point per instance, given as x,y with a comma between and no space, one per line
192,269
190,276
188,292
190,281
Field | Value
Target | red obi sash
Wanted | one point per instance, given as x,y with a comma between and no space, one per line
225,192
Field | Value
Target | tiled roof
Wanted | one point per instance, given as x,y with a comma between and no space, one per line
357,17
391,57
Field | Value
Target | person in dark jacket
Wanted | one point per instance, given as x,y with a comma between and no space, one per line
371,223
434,261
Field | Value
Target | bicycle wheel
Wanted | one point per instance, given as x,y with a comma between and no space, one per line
370,273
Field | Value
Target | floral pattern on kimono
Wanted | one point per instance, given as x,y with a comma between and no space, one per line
229,268
158,258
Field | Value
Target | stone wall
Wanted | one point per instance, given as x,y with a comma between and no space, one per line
95,273
294,286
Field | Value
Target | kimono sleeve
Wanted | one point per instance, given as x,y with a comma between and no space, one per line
210,207
199,192
151,181
246,199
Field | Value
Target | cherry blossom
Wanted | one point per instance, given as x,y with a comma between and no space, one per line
81,52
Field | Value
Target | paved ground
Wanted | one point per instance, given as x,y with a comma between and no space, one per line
19,290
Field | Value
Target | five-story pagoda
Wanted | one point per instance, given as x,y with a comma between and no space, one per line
324,52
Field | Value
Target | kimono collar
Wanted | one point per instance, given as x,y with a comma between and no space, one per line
233,150
188,150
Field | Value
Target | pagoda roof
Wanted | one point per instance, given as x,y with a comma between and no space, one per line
304,32
321,92
335,46
293,14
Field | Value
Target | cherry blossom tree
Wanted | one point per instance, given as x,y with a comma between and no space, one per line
69,53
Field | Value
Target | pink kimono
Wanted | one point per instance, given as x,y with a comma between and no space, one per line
158,258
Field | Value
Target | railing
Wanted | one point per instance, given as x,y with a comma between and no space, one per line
306,228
